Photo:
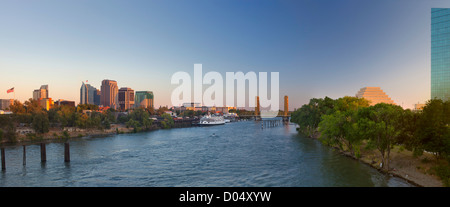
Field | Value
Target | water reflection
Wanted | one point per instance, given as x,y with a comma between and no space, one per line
235,154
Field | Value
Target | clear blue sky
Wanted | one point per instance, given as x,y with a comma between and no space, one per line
321,48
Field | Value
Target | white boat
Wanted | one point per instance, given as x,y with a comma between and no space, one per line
211,120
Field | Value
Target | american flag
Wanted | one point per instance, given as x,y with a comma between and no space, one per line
10,90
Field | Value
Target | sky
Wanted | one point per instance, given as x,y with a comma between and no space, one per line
320,48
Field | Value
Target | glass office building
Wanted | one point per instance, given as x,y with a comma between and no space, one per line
144,99
440,53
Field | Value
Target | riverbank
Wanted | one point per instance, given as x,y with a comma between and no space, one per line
56,134
416,170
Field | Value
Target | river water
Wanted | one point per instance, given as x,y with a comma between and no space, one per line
236,154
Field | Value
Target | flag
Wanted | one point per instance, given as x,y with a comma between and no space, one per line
10,90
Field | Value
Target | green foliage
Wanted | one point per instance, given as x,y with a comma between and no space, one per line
139,119
309,115
133,124
340,128
168,121
381,125
32,106
65,134
443,172
40,122
17,107
81,120
82,107
433,129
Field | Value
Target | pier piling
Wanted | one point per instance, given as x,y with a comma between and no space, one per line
66,152
43,153
24,155
3,159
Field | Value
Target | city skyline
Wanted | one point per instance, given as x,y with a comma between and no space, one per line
324,48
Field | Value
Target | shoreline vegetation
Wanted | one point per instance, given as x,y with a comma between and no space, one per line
30,123
413,145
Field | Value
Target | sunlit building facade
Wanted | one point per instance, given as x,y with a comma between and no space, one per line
109,94
374,95
144,99
41,93
440,53
126,98
89,94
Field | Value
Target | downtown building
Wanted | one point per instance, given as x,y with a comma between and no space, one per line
440,53
374,95
42,96
109,94
40,93
89,94
144,99
6,103
126,98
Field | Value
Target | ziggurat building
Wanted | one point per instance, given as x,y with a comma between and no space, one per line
374,95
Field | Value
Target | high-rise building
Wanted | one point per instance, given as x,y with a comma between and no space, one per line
89,94
97,95
144,99
126,98
109,94
41,92
42,96
286,105
374,95
46,103
5,103
440,53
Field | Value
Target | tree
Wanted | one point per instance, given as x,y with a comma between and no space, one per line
40,122
53,115
81,120
350,103
32,106
433,131
134,124
17,107
309,115
66,116
381,125
95,120
150,110
140,118
81,107
409,136
161,110
167,122
340,127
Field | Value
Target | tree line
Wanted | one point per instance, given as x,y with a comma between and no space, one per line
30,113
348,122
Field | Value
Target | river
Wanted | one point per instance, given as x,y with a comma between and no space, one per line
236,154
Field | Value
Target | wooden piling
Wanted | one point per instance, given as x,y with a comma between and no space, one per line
66,152
24,155
43,153
3,159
